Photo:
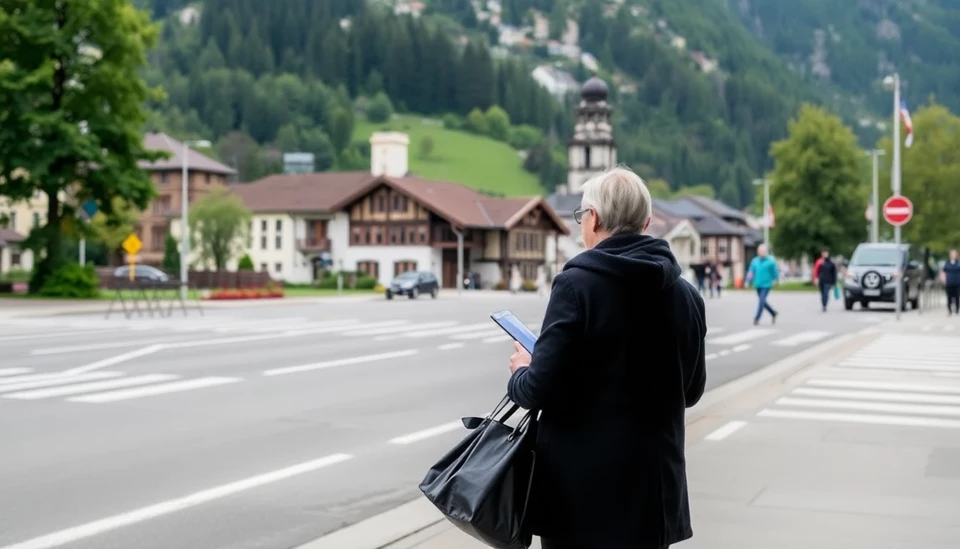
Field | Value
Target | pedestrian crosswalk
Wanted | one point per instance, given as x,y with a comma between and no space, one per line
906,380
98,387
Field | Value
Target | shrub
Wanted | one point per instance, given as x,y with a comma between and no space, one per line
426,147
524,137
245,263
477,122
528,286
452,122
72,280
366,283
328,283
380,109
498,123
501,285
15,274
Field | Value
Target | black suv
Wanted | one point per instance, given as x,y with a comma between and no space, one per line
872,276
413,284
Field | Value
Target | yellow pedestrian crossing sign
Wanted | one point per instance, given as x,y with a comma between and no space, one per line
132,244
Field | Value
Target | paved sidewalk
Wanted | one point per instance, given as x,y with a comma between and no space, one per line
859,452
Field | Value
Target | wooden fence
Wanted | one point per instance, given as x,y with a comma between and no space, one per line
204,280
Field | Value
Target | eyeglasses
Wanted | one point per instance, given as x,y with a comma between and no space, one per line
578,214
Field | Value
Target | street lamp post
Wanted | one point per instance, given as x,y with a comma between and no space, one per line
875,196
766,209
893,82
184,210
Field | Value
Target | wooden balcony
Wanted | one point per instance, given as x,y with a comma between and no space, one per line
313,245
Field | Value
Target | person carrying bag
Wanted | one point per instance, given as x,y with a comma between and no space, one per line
483,485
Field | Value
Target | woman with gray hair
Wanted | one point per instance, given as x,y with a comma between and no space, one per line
619,359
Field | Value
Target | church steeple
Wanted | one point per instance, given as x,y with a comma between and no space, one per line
592,148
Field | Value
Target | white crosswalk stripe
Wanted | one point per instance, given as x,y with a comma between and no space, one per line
162,389
14,371
802,338
899,380
737,338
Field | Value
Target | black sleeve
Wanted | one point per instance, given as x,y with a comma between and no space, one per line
695,371
532,387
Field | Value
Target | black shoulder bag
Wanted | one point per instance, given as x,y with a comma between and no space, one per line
483,484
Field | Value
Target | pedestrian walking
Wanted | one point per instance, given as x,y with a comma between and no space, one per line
716,278
700,272
762,275
826,277
951,280
620,357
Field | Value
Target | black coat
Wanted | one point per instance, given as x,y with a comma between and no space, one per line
619,358
827,275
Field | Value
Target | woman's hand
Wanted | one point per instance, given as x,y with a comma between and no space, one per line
520,358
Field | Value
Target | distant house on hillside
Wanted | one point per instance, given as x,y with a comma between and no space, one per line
558,82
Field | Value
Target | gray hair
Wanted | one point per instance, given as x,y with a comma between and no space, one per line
620,199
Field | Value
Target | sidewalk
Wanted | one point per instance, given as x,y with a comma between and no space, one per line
858,451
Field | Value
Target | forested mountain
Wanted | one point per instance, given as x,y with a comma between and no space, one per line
701,87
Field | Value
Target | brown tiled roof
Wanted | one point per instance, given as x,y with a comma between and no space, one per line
8,236
304,192
195,160
333,191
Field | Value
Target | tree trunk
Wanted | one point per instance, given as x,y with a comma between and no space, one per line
52,245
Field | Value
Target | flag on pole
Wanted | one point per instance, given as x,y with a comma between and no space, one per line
907,123
769,221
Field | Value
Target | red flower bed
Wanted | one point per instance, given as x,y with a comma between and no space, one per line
249,293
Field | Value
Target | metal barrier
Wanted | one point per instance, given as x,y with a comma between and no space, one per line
151,295
932,295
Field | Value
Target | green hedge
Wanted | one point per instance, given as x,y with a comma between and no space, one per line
72,280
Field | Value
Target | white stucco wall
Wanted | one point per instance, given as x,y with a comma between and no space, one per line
426,258
489,271
283,262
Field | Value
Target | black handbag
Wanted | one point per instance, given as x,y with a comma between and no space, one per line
483,484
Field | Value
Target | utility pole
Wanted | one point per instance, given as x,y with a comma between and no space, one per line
894,82
766,210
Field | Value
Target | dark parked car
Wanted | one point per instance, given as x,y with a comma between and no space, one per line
142,273
414,284
872,276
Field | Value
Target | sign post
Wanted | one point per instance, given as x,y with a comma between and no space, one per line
897,211
132,245
87,210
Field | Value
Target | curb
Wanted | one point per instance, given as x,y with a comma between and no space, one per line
411,518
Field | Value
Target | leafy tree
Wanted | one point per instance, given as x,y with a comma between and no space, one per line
817,188
659,188
171,255
113,228
380,109
219,223
478,122
703,189
245,263
498,123
341,130
72,115
558,20
930,179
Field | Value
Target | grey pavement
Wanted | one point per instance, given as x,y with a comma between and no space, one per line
270,426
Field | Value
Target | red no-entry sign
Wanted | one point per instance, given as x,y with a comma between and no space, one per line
897,210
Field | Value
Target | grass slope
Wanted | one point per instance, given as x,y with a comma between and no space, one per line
459,157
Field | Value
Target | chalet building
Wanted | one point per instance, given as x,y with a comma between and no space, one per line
386,222
204,174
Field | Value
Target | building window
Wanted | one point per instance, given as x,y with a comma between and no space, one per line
703,250
379,239
356,236
278,242
207,179
13,221
381,204
369,268
163,178
278,267
263,267
279,225
586,157
412,237
722,248
263,226
263,242
366,235
400,267
394,238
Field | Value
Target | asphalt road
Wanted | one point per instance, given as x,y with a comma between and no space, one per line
268,426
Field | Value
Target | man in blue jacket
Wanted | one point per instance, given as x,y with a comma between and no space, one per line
951,279
762,275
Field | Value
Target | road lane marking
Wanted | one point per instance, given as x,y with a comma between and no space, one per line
448,331
742,337
398,329
740,348
449,346
897,365
48,335
96,346
726,430
918,398
711,356
901,421
50,380
149,512
14,371
114,360
479,335
91,387
883,385
428,433
811,336
498,339
339,362
919,409
162,389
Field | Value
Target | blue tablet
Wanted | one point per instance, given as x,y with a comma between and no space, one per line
515,329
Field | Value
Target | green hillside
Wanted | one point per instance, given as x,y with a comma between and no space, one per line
461,157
